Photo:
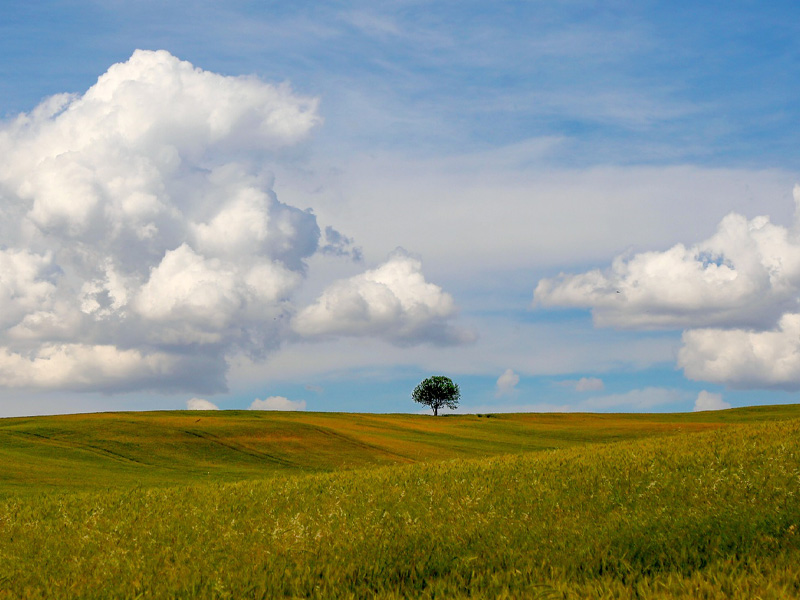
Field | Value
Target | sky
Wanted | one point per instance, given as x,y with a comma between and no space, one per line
563,206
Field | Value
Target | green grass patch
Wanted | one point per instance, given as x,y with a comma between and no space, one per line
712,514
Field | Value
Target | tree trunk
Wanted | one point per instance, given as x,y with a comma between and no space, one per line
435,411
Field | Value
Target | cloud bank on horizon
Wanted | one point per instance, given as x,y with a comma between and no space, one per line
277,403
734,295
142,243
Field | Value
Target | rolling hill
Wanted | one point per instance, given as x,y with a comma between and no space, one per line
366,506
113,450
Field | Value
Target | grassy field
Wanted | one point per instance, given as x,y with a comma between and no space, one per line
114,450
516,506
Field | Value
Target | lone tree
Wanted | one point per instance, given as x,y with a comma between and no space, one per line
437,391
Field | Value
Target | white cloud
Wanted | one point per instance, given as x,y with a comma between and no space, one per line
747,274
392,301
85,367
186,288
709,401
743,358
135,241
507,382
589,384
200,404
735,295
277,403
26,284
139,232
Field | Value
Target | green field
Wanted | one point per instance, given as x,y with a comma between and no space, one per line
325,505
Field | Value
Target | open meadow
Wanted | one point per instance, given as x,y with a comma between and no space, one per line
323,505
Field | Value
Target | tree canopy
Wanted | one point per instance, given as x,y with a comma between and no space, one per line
437,391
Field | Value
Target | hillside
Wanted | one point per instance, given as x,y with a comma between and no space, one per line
709,514
118,450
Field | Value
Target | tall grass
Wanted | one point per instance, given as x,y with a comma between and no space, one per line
711,514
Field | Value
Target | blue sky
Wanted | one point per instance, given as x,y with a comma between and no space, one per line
588,151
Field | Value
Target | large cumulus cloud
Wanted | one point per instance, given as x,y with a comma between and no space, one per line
140,239
736,295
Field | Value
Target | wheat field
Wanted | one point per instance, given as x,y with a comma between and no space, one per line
705,506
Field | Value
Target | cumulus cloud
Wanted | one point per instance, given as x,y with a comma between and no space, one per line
709,401
141,241
138,243
747,274
277,403
393,301
106,368
200,404
735,294
507,382
743,358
